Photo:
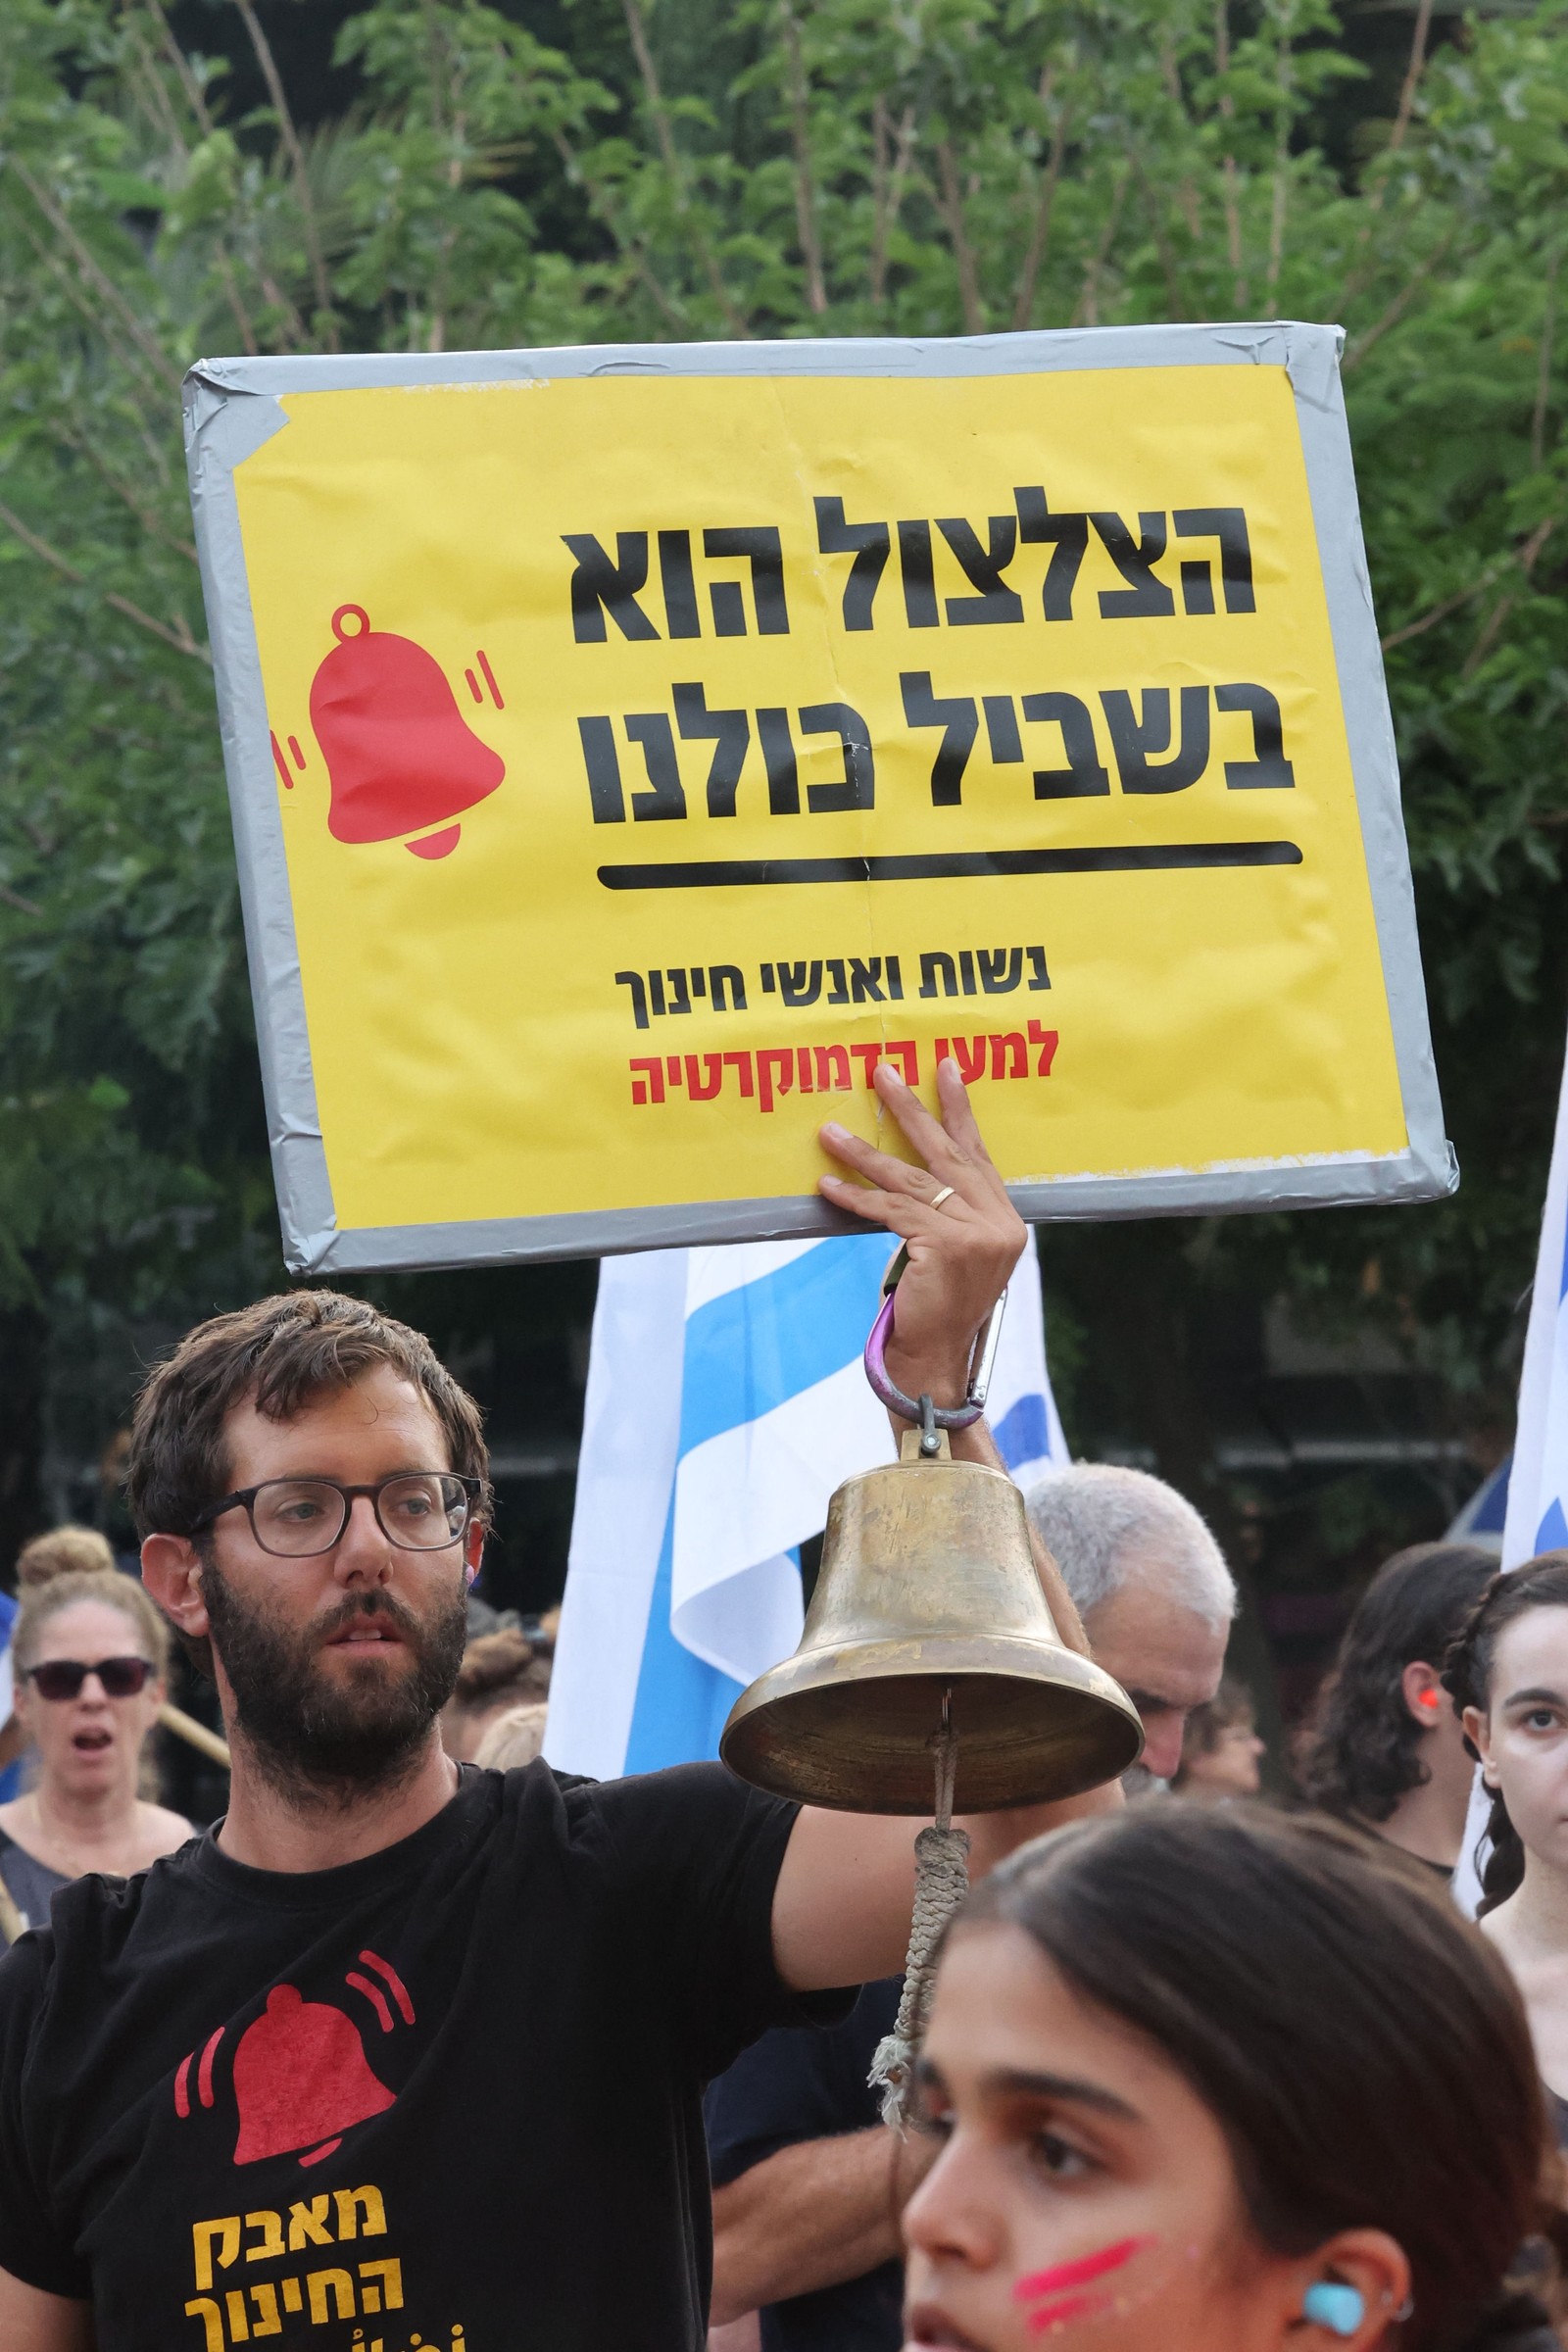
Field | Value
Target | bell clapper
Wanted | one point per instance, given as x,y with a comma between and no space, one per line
941,1882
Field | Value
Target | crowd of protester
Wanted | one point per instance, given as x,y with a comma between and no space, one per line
1204,2067
815,2203
1074,1961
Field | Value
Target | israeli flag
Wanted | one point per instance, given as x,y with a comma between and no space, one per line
11,1777
726,1400
1538,1485
1537,1515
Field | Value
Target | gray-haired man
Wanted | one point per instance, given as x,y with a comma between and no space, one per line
1151,1587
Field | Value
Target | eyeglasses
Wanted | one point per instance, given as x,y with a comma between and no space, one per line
63,1678
299,1518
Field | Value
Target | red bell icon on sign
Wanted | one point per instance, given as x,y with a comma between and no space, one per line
301,2079
399,753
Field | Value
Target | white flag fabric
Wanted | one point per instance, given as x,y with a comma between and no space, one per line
1536,1518
11,1777
725,1402
1538,1483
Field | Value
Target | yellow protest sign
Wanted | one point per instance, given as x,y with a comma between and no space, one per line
629,750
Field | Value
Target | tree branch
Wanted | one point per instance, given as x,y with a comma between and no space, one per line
1171,74
1397,138
974,313
1174,302
1230,199
81,446
105,285
1040,231
1412,75
181,639
602,202
13,898
192,88
296,155
1357,352
804,186
1525,557
675,165
1282,176
1548,325
1491,628
889,189
1086,311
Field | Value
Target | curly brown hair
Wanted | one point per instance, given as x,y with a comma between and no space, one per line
1361,1749
279,1354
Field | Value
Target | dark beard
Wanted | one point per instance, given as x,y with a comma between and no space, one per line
323,1742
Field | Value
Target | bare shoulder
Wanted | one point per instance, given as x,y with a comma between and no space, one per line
160,1831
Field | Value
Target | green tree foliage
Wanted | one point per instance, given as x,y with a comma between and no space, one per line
800,168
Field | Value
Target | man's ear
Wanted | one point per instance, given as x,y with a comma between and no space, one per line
172,1571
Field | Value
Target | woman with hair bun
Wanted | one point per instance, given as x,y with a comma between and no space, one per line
1383,1746
1213,2079
1509,1674
91,1653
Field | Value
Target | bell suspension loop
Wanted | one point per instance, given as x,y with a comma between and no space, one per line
941,1882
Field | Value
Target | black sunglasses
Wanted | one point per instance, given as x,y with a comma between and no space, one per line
63,1678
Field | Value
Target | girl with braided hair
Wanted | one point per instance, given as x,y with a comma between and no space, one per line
1383,1746
1508,1675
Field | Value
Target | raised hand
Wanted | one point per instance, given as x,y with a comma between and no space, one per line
962,1251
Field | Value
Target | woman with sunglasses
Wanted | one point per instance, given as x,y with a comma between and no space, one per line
90,1653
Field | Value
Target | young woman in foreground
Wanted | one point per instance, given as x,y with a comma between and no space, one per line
1223,2082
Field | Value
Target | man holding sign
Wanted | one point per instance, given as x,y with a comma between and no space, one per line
408,2049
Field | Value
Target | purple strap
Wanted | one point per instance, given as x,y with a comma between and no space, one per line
946,1416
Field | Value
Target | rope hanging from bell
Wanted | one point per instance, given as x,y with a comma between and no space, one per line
941,1882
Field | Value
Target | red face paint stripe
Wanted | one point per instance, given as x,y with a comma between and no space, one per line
384,1967
1071,2307
1080,2273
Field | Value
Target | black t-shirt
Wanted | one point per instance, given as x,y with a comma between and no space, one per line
447,2098
795,2086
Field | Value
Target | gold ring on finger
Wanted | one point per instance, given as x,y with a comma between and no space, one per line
946,1194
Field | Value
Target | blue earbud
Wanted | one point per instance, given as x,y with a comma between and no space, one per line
1338,2309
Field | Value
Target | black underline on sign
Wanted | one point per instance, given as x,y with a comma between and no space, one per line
725,873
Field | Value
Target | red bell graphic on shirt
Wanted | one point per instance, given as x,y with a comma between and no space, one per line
399,753
301,2078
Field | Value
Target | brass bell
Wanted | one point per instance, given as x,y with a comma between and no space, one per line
928,1615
